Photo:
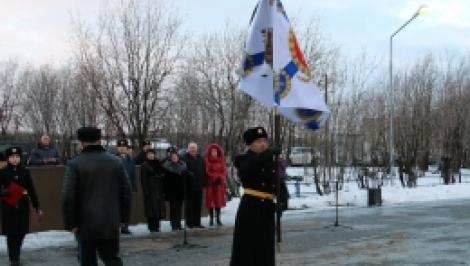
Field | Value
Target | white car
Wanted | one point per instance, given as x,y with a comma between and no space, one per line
300,156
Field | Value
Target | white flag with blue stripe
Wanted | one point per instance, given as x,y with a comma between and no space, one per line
290,85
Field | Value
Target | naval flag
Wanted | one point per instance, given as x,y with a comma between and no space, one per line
290,84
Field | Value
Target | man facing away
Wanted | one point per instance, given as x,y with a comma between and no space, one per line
96,200
196,182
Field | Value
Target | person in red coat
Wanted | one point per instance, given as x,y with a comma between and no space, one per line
216,173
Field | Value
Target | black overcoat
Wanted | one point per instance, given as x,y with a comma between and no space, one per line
151,177
254,234
15,220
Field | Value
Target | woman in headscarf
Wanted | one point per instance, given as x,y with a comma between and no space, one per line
151,177
173,188
17,191
215,190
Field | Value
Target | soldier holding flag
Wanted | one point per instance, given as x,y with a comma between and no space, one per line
253,239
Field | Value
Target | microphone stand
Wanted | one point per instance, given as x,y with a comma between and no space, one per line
336,223
186,244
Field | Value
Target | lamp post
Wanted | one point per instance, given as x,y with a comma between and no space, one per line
421,10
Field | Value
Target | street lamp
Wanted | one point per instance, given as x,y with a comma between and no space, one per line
421,10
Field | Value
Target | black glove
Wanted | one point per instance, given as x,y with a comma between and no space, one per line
280,207
276,149
5,192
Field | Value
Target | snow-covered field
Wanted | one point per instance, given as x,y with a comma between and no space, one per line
429,189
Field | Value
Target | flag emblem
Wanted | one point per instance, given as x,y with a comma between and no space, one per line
289,85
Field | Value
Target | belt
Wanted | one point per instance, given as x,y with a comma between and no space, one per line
259,194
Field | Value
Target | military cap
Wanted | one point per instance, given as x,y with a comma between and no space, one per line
88,134
145,143
13,150
253,134
122,143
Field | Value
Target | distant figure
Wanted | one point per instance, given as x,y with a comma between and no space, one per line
96,200
216,180
174,189
44,154
197,182
129,166
446,161
142,156
151,177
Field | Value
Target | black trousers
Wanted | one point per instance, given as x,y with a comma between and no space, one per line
14,243
153,223
108,249
193,213
175,214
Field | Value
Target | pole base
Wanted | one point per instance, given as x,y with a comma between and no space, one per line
187,245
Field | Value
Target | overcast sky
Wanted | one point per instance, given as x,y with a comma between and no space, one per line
37,31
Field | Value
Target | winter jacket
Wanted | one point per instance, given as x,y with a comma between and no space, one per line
282,168
96,195
15,219
174,180
216,177
129,165
197,166
37,156
151,177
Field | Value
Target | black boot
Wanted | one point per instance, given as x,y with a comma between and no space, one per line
219,223
211,215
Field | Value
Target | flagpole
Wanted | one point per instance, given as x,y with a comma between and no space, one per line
277,140
269,57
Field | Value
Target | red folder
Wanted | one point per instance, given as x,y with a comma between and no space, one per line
15,194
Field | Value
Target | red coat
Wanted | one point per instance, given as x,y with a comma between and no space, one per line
216,173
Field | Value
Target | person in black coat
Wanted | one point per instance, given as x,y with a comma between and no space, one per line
254,234
96,199
173,188
151,177
15,219
142,156
196,184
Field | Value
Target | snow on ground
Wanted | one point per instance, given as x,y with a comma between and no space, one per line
429,188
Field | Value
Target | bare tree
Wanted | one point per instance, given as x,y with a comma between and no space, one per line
128,61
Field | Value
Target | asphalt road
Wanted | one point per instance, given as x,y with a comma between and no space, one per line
413,234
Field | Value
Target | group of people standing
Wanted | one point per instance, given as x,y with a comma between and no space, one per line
180,179
97,191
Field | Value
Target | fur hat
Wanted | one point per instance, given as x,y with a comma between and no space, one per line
253,134
122,143
13,150
88,134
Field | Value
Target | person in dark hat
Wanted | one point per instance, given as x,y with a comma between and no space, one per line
254,234
129,165
169,151
96,199
16,214
151,178
174,187
142,156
